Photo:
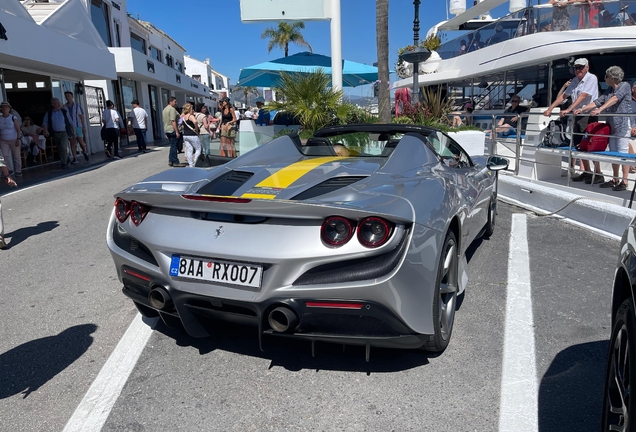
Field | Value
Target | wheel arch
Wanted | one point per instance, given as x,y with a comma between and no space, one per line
455,227
621,290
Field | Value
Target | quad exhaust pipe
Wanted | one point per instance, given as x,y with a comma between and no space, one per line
160,298
282,319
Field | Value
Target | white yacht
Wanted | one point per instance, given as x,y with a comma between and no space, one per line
531,53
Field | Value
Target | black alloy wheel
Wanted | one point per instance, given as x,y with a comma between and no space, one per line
620,373
445,297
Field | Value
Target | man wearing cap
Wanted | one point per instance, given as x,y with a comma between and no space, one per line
583,89
263,117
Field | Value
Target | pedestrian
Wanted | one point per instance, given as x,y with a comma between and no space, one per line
263,117
616,99
190,134
31,137
561,15
138,120
508,123
6,178
228,129
10,139
57,125
204,132
113,123
171,129
583,89
76,114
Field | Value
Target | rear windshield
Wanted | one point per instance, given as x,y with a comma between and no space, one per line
358,144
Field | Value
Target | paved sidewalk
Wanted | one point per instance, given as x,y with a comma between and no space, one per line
39,173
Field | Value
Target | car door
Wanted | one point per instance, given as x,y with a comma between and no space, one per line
472,184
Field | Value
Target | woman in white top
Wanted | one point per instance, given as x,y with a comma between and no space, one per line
113,123
10,139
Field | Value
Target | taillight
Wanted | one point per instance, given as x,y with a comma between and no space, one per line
374,231
336,230
122,208
138,212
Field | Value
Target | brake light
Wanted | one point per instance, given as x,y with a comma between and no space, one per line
137,275
336,230
374,231
122,209
214,198
138,212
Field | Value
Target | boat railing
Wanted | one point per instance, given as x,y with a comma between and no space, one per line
543,18
536,160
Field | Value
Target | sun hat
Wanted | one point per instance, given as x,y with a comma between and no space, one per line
5,103
581,61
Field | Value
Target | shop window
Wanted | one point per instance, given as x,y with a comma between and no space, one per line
99,16
137,42
155,54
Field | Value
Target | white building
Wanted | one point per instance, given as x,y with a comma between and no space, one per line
149,64
203,72
47,48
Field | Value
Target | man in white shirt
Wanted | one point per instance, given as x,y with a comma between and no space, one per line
249,114
583,89
138,119
76,114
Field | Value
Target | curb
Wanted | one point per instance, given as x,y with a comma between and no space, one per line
601,216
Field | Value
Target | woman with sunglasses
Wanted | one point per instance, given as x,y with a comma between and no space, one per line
228,129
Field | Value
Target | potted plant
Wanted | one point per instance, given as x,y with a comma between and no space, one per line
405,69
432,43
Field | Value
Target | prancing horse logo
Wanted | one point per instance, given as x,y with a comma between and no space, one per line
218,232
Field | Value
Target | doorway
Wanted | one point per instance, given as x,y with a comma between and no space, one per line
155,109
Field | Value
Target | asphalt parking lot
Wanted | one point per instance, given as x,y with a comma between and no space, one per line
65,314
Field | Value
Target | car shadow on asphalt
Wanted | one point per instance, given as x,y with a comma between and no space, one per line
21,234
571,391
296,355
29,366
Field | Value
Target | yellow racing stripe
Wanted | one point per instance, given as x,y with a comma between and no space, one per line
288,175
258,196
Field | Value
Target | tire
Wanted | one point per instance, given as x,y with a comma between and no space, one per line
445,296
489,229
620,372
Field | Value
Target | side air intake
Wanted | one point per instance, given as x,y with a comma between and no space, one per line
226,184
327,186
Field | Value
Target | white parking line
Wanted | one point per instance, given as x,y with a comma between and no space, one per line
93,410
519,405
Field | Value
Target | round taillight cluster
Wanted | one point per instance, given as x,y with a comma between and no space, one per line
121,209
372,231
337,230
135,210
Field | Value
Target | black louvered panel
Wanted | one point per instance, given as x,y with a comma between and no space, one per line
227,184
327,186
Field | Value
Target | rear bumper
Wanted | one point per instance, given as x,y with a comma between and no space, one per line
372,325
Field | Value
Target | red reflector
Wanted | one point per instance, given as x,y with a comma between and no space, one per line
334,305
216,198
137,275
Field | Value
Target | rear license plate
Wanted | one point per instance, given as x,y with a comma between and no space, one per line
247,275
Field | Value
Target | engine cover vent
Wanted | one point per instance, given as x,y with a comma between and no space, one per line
328,186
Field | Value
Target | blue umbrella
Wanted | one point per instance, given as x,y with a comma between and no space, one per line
268,74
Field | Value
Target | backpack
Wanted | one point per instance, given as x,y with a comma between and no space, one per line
595,143
557,134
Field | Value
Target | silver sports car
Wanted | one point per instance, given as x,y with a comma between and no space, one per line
356,236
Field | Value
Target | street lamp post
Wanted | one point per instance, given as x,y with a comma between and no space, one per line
418,55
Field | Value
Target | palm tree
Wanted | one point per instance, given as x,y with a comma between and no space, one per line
382,42
286,33
246,91
309,97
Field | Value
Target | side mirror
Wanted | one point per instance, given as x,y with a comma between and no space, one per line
497,163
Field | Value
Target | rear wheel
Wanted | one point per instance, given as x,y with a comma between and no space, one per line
620,373
445,297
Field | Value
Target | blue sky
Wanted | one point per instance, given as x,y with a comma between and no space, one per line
213,29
